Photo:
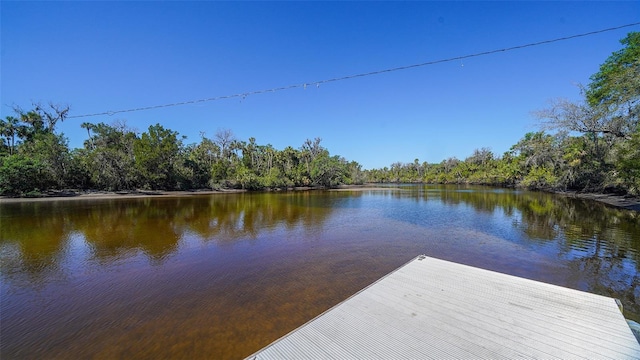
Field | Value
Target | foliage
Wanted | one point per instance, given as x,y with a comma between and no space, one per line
20,174
539,177
108,157
628,164
156,157
617,79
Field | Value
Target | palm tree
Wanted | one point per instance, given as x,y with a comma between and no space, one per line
89,127
3,133
34,122
9,128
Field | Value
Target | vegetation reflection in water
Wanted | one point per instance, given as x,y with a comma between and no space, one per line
221,276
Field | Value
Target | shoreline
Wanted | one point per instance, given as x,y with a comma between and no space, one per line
627,202
70,195
92,195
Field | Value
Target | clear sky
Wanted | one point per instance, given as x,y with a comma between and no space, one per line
109,56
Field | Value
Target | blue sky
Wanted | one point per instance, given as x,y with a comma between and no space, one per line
108,56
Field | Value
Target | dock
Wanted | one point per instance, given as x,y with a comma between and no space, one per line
436,309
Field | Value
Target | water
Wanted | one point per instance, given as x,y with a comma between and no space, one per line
222,276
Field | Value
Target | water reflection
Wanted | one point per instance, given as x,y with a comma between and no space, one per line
599,244
39,232
546,217
31,239
221,276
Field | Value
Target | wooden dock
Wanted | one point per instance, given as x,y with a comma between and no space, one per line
436,309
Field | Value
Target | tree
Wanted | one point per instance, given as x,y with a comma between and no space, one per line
288,162
200,159
20,174
5,143
628,164
34,151
10,128
42,119
607,118
33,124
224,138
246,177
396,171
52,115
611,101
355,173
480,156
615,88
156,153
537,155
89,127
327,170
616,82
109,157
536,149
309,151
51,152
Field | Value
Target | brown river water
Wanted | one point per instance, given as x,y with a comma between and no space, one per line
221,276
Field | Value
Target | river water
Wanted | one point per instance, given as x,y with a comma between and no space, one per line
220,276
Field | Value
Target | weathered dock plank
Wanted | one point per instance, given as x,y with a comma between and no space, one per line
435,309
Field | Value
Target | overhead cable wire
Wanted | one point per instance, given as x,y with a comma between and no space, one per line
347,77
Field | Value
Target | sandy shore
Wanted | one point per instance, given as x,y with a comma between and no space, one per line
620,201
624,202
72,195
82,195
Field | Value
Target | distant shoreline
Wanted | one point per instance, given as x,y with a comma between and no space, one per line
627,202
88,195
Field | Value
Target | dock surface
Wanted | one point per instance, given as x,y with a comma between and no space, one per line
436,309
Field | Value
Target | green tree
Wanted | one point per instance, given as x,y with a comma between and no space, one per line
51,151
327,170
246,177
538,156
41,119
615,89
34,150
508,169
109,157
9,129
355,175
309,151
616,82
288,163
34,124
628,164
20,174
89,126
156,153
607,120
223,169
200,159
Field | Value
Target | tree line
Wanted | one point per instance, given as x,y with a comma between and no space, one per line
589,145
116,158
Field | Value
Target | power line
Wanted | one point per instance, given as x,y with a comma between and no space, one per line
318,83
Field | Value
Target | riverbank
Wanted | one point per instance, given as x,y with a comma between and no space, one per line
86,195
620,201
